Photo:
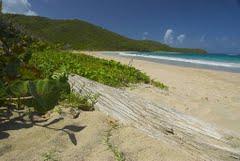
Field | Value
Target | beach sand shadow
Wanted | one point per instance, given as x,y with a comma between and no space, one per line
19,123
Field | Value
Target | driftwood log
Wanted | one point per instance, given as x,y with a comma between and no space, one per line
166,124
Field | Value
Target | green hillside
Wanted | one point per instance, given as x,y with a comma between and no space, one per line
81,35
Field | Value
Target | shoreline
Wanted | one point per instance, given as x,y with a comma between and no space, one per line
198,64
188,65
210,95
126,60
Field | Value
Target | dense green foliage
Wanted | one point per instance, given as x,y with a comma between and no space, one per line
107,72
47,93
76,34
21,82
14,54
44,93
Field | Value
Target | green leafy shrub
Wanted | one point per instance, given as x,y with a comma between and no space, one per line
159,85
111,73
43,94
19,88
83,102
20,82
46,93
14,53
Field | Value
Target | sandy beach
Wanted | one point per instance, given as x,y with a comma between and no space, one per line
119,80
212,96
84,139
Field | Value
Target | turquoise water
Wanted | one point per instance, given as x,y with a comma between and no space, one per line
224,62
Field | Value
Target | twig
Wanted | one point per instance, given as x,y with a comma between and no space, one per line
16,99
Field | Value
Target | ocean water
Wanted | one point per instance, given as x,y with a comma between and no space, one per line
225,62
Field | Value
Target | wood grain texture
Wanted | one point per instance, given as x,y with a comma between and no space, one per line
163,123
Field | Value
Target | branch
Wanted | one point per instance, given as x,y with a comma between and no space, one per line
16,99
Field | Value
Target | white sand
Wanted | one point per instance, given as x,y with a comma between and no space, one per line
212,96
44,144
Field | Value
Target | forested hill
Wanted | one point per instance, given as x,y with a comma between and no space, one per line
81,35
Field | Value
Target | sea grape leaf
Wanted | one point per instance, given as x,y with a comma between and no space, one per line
3,92
19,88
47,93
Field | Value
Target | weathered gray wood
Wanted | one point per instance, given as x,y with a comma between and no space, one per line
162,122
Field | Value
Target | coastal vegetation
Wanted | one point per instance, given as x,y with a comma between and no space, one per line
34,73
81,35
21,83
34,83
49,90
119,156
111,73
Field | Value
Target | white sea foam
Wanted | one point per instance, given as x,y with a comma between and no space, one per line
193,61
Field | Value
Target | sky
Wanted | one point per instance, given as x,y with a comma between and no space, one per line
213,25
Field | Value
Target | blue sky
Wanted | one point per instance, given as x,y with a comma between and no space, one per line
210,24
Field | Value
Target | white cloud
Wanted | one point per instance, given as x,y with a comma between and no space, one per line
181,38
168,37
18,7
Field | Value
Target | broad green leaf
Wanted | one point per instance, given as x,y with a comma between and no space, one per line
47,93
19,89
